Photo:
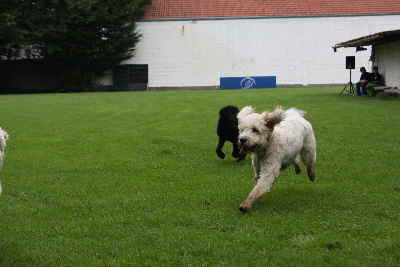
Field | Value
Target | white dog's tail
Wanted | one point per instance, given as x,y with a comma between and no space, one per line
294,112
3,139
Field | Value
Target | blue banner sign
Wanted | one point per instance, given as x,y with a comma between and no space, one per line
247,82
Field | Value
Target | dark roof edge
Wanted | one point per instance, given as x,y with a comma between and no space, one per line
266,17
371,39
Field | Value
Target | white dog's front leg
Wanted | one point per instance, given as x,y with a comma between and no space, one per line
256,167
263,185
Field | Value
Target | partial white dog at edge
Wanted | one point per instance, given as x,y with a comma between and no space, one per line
275,141
3,141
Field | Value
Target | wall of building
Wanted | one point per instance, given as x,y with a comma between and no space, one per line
194,53
387,58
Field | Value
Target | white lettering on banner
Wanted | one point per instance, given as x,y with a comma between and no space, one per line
247,82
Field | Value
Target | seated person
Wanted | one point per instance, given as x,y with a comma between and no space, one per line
364,79
376,78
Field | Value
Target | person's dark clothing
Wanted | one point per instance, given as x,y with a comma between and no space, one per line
365,76
376,78
360,86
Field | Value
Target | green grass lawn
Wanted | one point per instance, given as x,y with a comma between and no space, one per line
132,179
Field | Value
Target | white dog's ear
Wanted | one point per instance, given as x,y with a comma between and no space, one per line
274,117
247,110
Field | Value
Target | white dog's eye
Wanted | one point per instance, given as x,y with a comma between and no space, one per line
255,130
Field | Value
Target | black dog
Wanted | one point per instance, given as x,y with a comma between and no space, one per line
228,130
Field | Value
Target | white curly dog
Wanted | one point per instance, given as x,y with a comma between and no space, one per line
275,141
3,140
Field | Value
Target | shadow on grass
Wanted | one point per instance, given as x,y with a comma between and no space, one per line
233,162
294,199
13,256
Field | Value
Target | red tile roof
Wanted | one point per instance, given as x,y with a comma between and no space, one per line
168,9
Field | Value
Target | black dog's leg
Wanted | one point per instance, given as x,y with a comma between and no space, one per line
220,145
297,168
236,152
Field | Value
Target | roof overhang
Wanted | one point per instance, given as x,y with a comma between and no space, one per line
372,39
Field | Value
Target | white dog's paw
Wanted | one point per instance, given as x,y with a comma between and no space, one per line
244,206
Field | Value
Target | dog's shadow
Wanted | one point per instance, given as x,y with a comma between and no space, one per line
292,200
11,255
231,161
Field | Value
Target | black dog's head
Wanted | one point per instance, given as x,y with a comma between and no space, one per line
228,130
229,113
228,122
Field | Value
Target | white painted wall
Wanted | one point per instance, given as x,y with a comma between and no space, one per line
296,50
387,58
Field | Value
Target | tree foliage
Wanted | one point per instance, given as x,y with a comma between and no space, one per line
86,36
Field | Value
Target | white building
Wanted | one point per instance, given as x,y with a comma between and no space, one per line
387,58
194,43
